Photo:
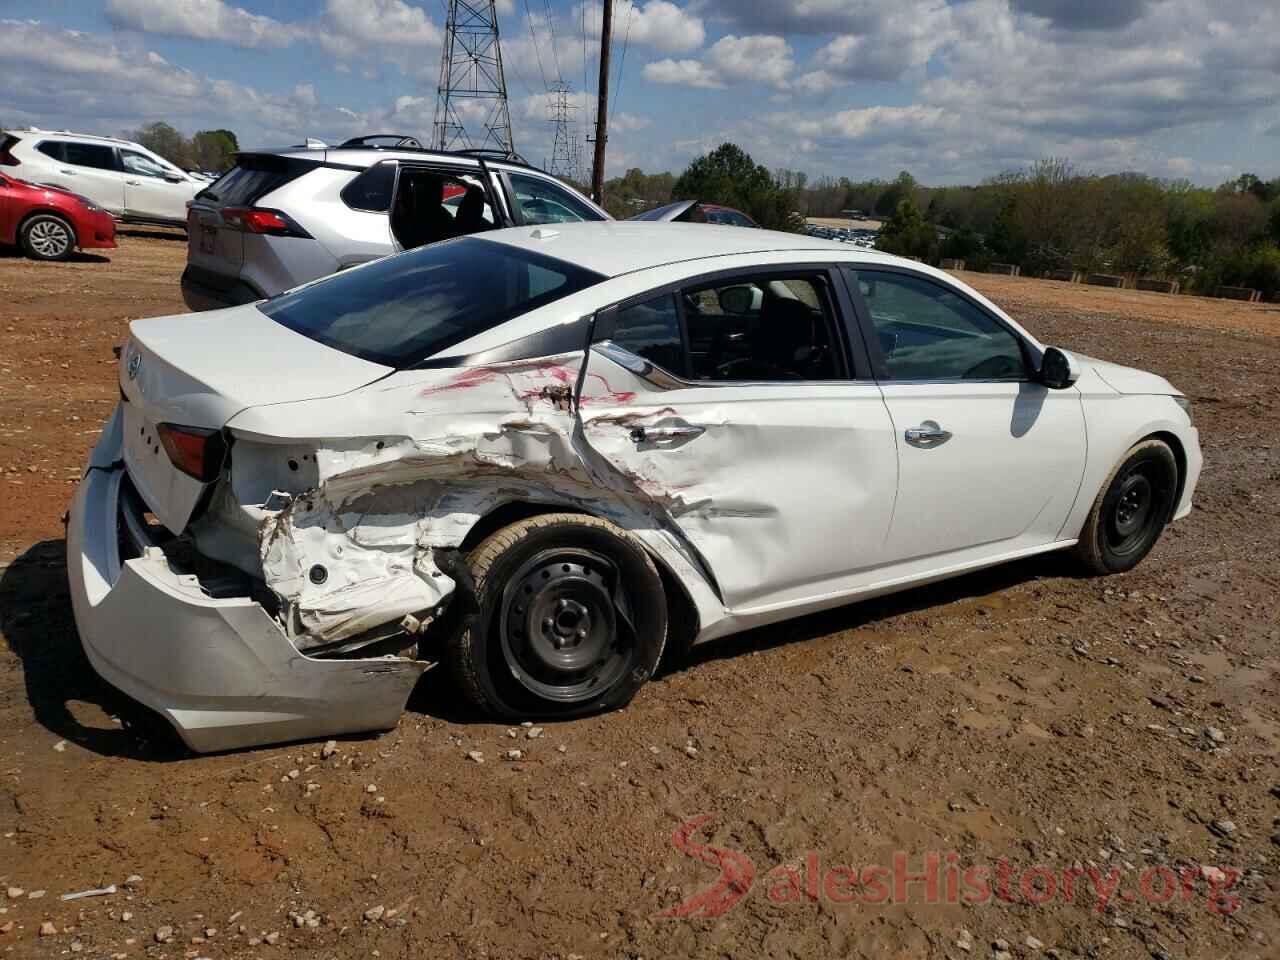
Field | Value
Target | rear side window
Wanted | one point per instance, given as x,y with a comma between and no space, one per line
94,155
52,148
371,191
652,330
252,178
401,310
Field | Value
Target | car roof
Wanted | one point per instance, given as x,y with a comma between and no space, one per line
367,156
29,132
614,248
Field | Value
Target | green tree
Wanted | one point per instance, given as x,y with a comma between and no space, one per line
906,233
903,188
730,177
161,138
214,149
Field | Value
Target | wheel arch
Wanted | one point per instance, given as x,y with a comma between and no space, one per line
683,618
49,211
1179,459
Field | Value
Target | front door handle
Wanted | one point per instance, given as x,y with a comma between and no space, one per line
928,435
134,183
653,434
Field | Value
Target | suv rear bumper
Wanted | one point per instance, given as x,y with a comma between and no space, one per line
222,671
205,290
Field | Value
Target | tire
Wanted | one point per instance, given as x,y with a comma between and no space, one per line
1131,511
46,236
569,619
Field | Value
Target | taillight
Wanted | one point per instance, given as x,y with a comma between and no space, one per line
196,452
7,159
258,220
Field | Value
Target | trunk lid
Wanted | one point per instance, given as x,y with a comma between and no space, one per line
200,370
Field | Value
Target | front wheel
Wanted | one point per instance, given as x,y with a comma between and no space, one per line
47,237
1131,511
570,619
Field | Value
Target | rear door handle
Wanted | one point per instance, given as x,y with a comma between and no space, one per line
653,434
69,173
134,183
928,435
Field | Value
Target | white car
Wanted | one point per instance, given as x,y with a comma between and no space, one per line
124,178
545,454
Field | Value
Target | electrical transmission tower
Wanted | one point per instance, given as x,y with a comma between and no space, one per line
566,154
471,80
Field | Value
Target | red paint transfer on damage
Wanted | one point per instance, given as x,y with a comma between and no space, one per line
478,376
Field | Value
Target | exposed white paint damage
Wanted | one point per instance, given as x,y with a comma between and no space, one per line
345,532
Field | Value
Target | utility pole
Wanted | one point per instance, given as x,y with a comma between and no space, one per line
602,111
471,69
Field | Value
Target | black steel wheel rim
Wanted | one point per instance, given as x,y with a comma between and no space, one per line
565,625
1135,509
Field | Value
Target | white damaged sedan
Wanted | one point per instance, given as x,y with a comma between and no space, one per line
542,456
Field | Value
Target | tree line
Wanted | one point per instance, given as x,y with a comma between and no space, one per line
209,150
1050,216
1053,217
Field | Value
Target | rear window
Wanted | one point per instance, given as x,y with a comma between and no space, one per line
93,155
252,178
401,310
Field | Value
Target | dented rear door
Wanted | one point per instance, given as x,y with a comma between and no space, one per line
784,490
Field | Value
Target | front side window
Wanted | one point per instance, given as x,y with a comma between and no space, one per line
401,310
141,165
927,332
542,201
766,329
94,155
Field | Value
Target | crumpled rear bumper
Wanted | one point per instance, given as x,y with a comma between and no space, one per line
222,671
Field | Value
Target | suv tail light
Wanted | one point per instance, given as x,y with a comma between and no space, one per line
7,159
261,220
196,452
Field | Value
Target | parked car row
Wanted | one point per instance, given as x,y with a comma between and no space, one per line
126,179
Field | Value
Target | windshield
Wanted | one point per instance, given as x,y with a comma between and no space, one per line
403,309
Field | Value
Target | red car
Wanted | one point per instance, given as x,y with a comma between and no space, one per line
48,223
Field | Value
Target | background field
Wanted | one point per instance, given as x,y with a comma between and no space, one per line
1022,713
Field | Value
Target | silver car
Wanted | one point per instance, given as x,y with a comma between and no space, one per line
281,218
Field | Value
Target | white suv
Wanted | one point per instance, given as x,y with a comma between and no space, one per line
124,178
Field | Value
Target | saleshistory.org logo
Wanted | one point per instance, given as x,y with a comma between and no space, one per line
938,878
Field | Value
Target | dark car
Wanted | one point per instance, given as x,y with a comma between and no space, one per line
696,211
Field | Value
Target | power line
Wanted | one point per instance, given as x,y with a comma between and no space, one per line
536,49
471,69
555,54
622,61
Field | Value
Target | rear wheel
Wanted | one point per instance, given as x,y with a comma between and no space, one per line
47,237
1131,511
570,619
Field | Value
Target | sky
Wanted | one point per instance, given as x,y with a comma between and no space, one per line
952,90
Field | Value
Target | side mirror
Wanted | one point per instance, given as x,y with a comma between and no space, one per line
1058,369
738,300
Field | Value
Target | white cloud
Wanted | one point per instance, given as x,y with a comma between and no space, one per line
658,24
684,73
764,59
201,20
342,28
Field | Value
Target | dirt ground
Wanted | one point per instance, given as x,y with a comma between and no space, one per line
1024,714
